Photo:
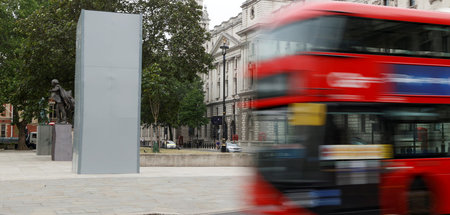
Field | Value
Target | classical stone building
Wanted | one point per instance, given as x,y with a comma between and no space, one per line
414,4
239,33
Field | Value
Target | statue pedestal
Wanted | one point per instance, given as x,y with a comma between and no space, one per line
62,142
44,141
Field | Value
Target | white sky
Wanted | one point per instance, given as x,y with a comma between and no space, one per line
222,10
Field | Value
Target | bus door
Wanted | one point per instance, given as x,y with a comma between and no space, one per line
322,157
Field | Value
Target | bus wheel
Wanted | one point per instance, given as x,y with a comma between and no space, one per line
419,198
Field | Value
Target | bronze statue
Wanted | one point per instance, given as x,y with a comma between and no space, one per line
64,102
43,119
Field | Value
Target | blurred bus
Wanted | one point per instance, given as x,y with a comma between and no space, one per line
353,102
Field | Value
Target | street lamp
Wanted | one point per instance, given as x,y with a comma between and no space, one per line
234,119
224,48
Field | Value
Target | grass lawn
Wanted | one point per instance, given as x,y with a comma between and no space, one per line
147,150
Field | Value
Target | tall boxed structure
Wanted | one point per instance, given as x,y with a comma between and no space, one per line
107,93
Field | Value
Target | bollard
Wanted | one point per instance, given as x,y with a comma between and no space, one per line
155,147
223,147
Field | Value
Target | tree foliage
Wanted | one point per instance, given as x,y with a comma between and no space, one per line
50,51
37,44
155,89
193,109
173,38
14,87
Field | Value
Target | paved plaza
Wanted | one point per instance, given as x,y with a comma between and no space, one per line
31,184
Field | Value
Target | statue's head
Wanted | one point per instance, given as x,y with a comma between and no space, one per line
55,82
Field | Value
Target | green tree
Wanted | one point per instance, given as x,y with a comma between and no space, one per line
39,46
50,50
155,88
13,85
193,108
173,38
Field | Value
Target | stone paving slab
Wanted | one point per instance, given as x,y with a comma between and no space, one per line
31,184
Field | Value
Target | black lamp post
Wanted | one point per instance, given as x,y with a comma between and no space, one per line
224,48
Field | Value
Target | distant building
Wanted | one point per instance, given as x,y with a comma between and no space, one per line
6,118
6,129
414,4
238,33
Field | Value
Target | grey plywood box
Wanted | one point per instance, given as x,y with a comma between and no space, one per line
44,140
107,93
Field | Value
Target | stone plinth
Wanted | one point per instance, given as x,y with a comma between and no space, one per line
198,160
44,141
62,143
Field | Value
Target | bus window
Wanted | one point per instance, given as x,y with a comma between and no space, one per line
323,33
290,150
353,128
356,34
421,139
287,152
396,38
420,131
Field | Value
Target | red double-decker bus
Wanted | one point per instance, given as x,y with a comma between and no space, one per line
354,103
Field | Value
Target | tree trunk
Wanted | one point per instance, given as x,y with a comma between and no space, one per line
22,145
21,125
170,133
157,136
157,132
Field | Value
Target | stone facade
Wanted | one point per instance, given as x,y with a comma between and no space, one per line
237,33
6,118
415,4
